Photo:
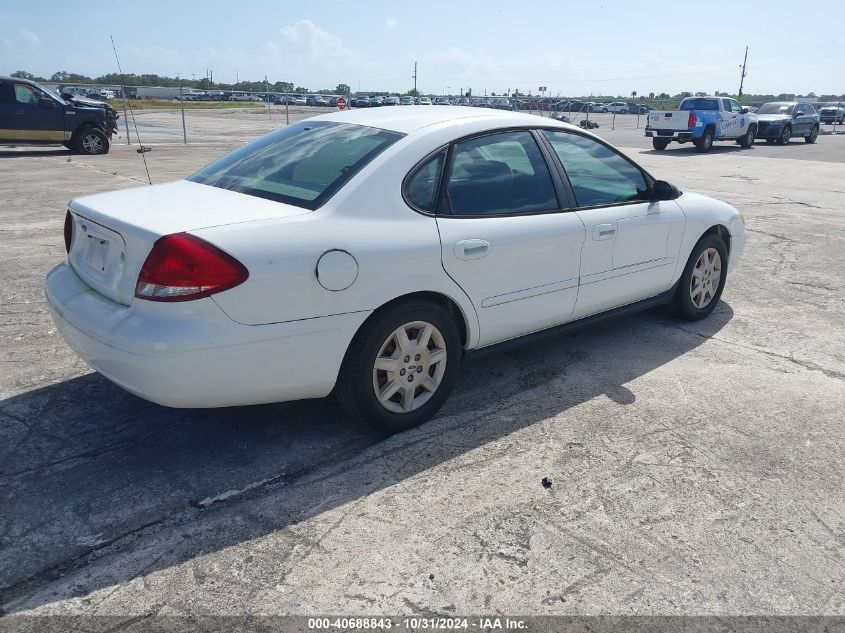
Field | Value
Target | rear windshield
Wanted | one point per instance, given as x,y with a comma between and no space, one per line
699,104
303,164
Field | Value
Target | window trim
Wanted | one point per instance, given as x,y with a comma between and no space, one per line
443,208
649,179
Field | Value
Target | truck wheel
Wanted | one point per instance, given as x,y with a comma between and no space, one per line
705,143
814,134
784,137
90,140
748,139
659,144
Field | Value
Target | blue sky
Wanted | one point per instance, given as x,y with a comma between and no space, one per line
573,48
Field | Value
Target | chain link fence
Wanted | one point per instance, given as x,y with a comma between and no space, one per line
155,115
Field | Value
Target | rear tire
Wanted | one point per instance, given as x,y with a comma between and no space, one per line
387,379
705,143
701,285
659,144
814,134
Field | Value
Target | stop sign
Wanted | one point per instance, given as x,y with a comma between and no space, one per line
341,103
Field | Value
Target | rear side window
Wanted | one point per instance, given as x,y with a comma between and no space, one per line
500,174
421,188
303,164
598,175
7,94
699,104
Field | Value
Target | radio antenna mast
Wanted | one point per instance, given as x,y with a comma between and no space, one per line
141,149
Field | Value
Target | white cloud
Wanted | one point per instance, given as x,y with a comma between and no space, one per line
391,23
30,38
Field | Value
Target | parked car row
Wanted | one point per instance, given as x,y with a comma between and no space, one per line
702,120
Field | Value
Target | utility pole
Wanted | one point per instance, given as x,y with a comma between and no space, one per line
742,76
415,77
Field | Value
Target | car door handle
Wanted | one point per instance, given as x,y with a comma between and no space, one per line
471,249
604,231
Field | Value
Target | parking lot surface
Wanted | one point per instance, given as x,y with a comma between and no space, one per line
696,468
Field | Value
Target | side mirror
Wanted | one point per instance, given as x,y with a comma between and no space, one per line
46,102
662,190
745,110
797,114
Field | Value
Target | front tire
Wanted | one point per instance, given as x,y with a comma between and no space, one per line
814,134
91,141
785,136
747,139
701,285
401,366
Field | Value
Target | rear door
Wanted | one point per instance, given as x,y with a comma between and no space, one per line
7,111
506,235
803,119
631,242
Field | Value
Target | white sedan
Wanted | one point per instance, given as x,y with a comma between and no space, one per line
365,253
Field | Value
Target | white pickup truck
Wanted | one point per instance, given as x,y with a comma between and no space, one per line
702,120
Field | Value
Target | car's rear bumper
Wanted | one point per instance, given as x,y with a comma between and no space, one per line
669,135
191,354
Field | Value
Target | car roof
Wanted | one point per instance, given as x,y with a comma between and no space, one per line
407,120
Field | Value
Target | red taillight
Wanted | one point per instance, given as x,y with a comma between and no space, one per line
183,267
691,120
68,231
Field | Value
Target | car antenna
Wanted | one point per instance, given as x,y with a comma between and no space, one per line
141,148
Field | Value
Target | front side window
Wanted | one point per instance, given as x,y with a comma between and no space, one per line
26,94
499,174
302,164
599,176
735,107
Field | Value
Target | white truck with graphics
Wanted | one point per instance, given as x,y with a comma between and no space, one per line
701,121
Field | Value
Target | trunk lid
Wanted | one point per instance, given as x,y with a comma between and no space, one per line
114,232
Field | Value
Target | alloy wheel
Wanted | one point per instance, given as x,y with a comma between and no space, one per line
92,144
706,277
409,367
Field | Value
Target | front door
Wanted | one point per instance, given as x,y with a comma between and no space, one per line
506,239
632,242
32,121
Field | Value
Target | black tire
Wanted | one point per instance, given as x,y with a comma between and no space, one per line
355,390
705,143
92,141
785,136
683,303
659,144
814,134
747,139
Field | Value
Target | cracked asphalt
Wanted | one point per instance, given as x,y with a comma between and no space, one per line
696,468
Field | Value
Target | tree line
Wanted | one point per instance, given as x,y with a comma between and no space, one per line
114,79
